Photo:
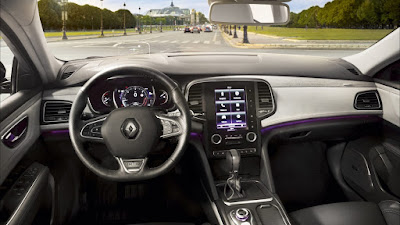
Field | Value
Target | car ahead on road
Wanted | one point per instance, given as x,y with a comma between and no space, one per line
186,30
208,29
221,136
195,29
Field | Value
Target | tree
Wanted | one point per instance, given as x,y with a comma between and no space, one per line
50,14
202,18
391,15
367,14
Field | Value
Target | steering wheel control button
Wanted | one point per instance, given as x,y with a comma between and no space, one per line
130,128
251,137
216,139
93,129
170,127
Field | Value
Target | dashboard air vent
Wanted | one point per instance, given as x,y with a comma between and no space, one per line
367,100
56,111
65,75
265,100
195,100
353,71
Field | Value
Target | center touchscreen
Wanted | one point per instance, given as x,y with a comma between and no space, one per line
230,108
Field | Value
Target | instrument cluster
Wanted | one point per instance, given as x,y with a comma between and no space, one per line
119,92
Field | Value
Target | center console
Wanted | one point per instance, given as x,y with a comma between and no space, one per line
230,111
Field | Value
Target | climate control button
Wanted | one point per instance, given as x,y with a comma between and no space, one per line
251,137
216,139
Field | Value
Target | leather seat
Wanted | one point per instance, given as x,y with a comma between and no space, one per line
349,213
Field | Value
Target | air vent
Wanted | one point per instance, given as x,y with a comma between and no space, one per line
69,70
367,100
56,111
65,75
195,100
265,100
354,71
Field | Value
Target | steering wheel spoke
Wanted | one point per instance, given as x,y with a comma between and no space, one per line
171,125
91,129
131,165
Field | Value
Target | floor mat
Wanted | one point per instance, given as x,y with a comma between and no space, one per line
302,176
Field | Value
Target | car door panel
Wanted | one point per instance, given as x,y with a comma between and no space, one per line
390,98
10,156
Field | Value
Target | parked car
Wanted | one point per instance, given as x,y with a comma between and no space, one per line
186,30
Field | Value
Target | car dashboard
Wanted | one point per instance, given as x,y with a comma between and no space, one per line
134,91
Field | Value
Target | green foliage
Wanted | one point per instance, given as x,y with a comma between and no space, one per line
202,18
50,14
86,17
350,14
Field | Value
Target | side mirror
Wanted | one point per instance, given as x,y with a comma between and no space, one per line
258,14
2,72
5,85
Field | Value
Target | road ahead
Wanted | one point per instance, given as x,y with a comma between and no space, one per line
166,42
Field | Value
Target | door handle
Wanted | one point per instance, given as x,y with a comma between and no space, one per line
16,134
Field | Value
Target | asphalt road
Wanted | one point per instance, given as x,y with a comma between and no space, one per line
166,42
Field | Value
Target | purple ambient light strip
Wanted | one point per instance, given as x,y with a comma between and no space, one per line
310,121
59,131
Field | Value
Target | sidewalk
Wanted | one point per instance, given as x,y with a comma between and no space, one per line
260,41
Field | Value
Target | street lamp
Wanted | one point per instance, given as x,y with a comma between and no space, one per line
230,29
101,19
245,38
140,30
64,19
151,23
124,21
234,32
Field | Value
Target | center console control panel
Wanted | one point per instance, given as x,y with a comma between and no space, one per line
231,114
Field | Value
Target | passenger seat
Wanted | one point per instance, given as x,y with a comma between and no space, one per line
349,213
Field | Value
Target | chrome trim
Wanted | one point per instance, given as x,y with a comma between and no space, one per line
121,163
248,201
366,92
87,137
54,101
216,143
231,78
251,140
13,125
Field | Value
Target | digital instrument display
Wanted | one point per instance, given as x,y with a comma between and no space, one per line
230,108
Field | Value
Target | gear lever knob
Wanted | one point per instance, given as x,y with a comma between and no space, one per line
233,161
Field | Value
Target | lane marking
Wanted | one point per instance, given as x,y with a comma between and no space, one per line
165,41
215,36
207,42
174,41
184,42
196,42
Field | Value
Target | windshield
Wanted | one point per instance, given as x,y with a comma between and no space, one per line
77,29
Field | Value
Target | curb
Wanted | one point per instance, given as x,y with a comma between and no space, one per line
305,45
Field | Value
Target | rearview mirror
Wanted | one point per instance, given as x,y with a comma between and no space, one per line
270,13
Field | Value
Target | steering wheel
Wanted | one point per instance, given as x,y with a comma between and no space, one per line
130,133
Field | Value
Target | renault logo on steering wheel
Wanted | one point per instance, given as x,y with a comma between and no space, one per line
130,128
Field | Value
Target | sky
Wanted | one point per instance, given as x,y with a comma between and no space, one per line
200,5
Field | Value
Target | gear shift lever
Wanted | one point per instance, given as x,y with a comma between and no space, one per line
233,189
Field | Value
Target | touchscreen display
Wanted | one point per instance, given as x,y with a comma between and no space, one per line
230,108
